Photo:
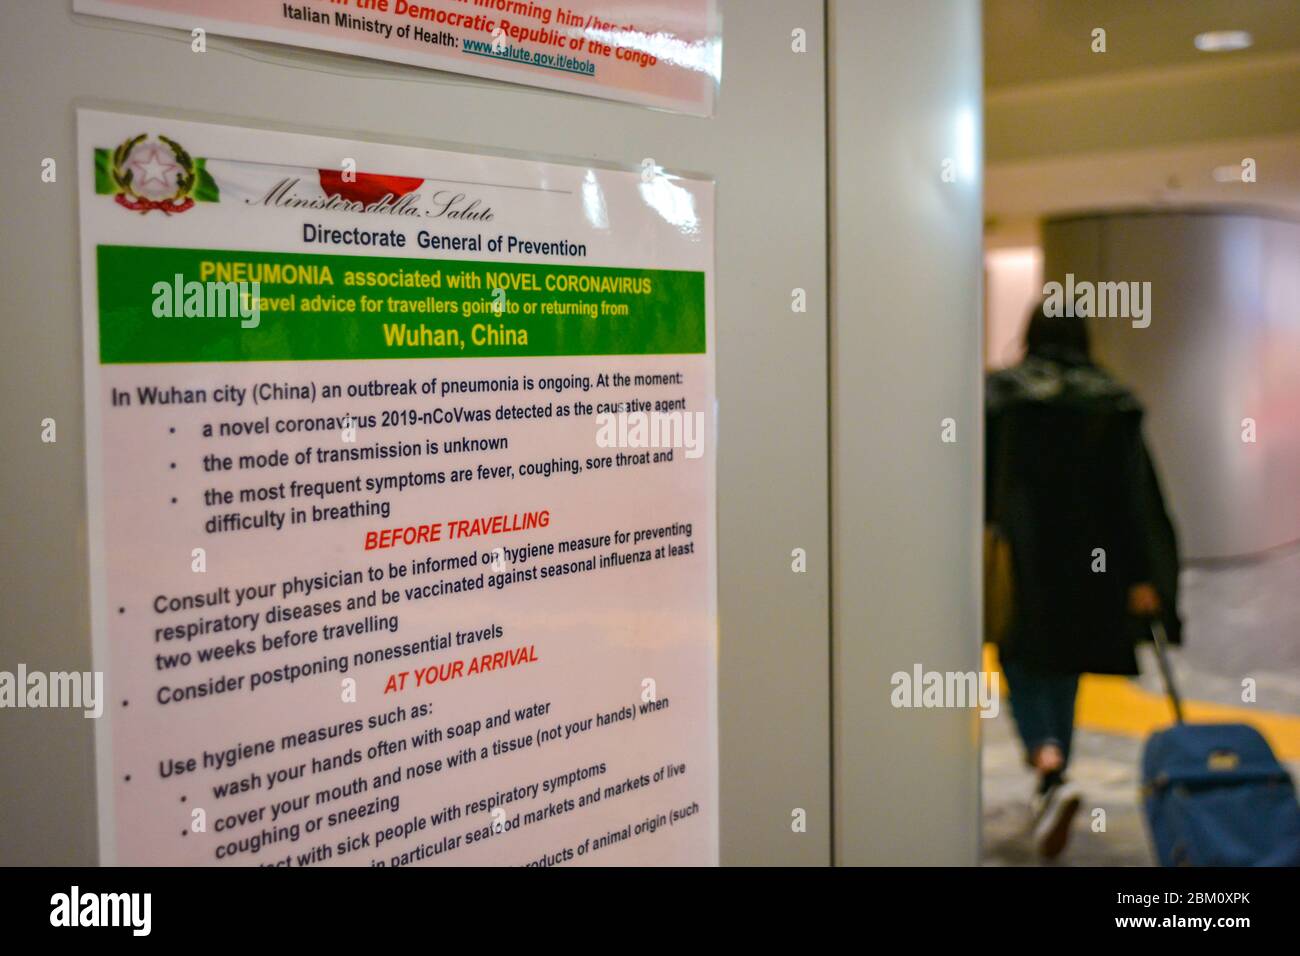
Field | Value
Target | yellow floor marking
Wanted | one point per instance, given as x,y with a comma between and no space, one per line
1116,705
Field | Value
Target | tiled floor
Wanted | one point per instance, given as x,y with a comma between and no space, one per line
1242,621
1104,766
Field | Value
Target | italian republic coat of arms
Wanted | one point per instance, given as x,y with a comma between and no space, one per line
145,174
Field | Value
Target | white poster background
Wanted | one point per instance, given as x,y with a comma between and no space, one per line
598,636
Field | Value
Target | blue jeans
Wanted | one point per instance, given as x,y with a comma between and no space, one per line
1042,704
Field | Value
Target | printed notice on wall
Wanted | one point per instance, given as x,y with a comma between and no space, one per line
663,53
401,502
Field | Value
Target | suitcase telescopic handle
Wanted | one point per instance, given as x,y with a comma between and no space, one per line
1166,672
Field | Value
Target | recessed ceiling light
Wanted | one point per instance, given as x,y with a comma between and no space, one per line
1222,41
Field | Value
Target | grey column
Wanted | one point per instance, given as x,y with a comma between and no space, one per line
905,106
1222,346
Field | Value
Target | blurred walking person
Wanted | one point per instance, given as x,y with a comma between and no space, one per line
1077,522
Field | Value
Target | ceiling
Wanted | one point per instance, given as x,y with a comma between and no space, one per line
1037,41
1144,124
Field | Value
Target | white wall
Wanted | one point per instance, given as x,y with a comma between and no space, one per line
766,149
1013,286
905,85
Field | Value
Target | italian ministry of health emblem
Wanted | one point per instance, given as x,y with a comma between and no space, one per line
144,174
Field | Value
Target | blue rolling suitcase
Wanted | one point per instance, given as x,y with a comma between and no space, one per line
1214,794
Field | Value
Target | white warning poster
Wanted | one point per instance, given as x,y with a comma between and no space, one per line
663,53
401,502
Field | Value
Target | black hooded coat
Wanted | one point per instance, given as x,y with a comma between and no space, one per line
1068,473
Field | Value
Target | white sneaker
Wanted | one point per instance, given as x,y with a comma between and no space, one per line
1053,813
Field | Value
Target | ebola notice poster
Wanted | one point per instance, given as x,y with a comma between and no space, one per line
665,54
401,502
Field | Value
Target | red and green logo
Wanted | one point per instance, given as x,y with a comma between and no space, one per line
145,174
